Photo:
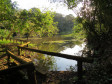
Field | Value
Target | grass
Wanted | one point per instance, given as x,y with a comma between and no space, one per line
32,45
5,41
67,35
8,42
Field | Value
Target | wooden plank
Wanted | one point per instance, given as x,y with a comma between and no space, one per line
25,44
15,57
78,58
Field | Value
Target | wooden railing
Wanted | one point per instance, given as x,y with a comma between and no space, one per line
79,59
28,66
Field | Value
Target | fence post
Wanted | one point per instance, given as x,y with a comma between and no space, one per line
27,45
18,50
79,65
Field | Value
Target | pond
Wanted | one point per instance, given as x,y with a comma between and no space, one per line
61,45
64,64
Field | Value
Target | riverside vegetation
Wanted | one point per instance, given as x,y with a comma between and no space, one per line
93,22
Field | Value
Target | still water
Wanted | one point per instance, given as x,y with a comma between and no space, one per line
64,64
61,45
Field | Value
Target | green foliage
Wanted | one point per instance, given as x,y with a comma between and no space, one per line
78,30
71,3
98,73
96,19
34,23
11,60
6,9
5,42
29,23
65,24
48,27
44,63
4,33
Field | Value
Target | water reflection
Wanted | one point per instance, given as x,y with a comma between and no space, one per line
63,63
69,47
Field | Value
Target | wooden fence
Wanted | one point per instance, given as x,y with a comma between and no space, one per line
79,60
28,66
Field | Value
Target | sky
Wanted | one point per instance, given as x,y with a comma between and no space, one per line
43,5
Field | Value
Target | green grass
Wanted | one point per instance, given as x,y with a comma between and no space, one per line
8,41
5,41
67,35
32,45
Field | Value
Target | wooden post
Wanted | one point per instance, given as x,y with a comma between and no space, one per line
27,45
79,67
18,51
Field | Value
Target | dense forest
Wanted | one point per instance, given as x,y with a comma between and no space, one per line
65,24
95,18
25,22
32,22
93,22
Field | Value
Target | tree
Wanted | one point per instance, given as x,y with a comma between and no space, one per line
65,24
6,13
31,22
78,30
43,22
97,15
35,23
98,19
